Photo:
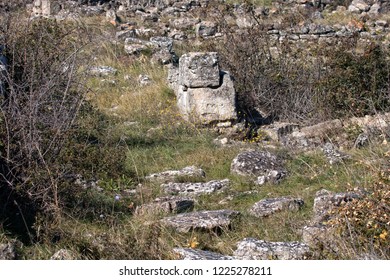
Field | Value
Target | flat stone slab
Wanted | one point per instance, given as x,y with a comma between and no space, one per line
253,249
169,175
269,206
195,254
102,70
257,163
166,205
194,189
203,220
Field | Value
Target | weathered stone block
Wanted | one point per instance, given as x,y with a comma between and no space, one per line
195,254
269,206
256,163
252,249
194,189
203,220
206,29
199,70
207,104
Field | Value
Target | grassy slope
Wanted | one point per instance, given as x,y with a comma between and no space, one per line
159,140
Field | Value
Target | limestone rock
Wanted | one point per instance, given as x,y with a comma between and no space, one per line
194,189
256,163
161,42
195,254
8,251
102,71
199,70
358,6
169,175
63,254
253,249
45,8
273,176
166,205
144,80
317,236
207,105
173,77
325,201
269,206
184,23
333,155
277,131
206,29
203,220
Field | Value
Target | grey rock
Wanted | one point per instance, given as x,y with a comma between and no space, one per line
206,105
63,254
333,155
325,201
256,163
102,71
8,251
144,80
173,77
161,42
358,6
253,249
203,220
188,171
195,254
206,29
269,206
163,57
135,48
199,69
362,140
166,205
375,9
184,23
194,189
277,131
124,34
273,176
318,236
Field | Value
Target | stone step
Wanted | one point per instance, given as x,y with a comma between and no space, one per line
169,175
194,189
195,254
202,220
269,206
253,249
166,205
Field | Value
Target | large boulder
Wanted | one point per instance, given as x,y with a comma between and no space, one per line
206,104
204,93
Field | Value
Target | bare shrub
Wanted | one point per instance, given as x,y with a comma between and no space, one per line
303,83
44,92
